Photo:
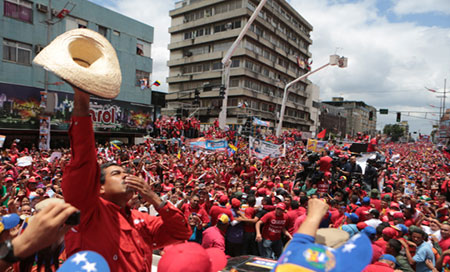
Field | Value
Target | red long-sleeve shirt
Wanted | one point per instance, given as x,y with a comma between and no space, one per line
125,238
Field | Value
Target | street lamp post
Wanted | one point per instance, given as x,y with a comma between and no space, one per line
226,61
334,60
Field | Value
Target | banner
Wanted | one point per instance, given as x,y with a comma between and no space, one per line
262,149
316,145
44,133
410,185
213,145
2,140
19,109
216,145
259,122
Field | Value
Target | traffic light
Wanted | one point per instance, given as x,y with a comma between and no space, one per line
222,91
399,116
370,115
197,97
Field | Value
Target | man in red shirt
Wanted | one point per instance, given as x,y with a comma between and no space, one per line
124,237
362,211
274,224
386,263
373,144
325,162
194,208
445,233
217,210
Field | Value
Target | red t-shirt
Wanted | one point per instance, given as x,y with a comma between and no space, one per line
325,163
218,210
445,244
188,210
273,226
378,267
250,214
292,215
376,203
361,212
372,144
322,187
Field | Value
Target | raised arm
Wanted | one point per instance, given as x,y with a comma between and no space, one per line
81,180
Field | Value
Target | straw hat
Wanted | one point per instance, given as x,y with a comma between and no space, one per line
85,59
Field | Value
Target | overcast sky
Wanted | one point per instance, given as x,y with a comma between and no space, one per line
394,47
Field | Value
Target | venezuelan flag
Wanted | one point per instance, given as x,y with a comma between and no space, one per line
113,145
157,83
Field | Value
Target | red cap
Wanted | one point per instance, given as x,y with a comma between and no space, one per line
390,232
235,203
398,215
9,179
261,192
357,185
281,205
192,257
223,199
327,174
32,180
361,225
395,205
270,184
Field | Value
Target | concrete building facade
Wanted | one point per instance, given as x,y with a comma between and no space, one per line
23,33
267,58
333,119
360,116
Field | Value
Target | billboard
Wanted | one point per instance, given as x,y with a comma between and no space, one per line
19,109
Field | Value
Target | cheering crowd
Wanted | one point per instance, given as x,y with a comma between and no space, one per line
242,205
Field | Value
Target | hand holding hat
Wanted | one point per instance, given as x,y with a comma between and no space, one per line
85,59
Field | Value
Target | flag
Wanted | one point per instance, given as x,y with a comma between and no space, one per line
156,83
179,153
431,90
242,105
301,63
114,146
322,134
232,149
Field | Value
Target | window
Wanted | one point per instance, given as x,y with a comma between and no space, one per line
17,52
102,30
217,65
142,75
19,9
235,63
234,83
143,48
74,23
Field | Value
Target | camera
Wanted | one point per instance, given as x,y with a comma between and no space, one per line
74,219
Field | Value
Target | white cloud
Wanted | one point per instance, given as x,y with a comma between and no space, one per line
402,7
389,63
156,14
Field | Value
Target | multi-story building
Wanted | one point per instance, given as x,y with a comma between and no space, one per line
274,52
360,116
23,34
333,119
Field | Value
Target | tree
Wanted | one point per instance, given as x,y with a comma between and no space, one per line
394,131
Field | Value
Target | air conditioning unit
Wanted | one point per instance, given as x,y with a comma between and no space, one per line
38,48
42,8
185,21
208,13
228,25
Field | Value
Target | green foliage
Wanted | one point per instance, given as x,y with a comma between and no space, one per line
394,131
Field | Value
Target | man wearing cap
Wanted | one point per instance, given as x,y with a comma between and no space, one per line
386,263
124,237
274,224
217,210
362,211
193,207
215,236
